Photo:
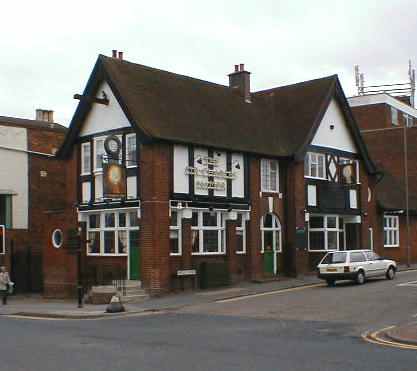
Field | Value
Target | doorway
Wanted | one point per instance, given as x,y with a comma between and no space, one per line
134,256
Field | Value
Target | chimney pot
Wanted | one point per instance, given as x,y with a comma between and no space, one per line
114,53
121,55
242,67
236,68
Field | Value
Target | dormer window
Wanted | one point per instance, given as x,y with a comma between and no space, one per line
314,165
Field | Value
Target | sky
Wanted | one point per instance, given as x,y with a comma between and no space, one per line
48,48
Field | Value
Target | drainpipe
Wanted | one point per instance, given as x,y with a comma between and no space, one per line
407,211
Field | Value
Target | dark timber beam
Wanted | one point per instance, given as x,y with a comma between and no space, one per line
88,99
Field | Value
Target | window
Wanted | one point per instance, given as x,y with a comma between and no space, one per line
314,165
241,233
112,232
131,159
391,231
85,158
394,116
175,233
98,153
324,232
6,210
2,240
370,255
269,175
271,233
57,238
334,258
357,257
208,232
408,120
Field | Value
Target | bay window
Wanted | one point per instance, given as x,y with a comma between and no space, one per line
112,232
391,231
324,232
208,232
314,165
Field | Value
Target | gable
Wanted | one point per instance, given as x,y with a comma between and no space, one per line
103,118
333,131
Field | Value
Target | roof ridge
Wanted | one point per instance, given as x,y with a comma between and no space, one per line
153,69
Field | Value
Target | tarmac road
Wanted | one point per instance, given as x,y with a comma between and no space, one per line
310,329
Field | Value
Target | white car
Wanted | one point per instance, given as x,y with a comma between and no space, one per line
356,265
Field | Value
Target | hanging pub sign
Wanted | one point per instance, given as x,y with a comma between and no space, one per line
114,172
2,239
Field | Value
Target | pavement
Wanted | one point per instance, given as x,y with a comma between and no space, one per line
405,334
38,307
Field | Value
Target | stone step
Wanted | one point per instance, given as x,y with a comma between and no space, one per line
137,298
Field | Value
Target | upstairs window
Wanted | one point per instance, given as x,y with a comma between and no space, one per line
391,231
394,116
408,120
314,165
85,158
6,211
98,154
269,176
131,159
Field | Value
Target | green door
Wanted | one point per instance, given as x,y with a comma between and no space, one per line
134,255
269,262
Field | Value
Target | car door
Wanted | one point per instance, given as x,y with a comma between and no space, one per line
371,264
378,264
358,260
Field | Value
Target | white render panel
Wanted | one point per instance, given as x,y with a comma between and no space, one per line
101,117
353,200
338,138
14,173
132,190
221,166
199,155
181,184
311,195
98,186
86,191
238,184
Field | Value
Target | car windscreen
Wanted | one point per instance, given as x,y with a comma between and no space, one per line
334,258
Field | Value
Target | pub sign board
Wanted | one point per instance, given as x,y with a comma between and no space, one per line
2,239
114,180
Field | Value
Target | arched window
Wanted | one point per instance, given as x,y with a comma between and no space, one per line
271,233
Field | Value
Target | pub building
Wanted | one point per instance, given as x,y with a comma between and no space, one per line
211,182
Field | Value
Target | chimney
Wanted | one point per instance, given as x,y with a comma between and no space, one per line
121,56
114,53
44,115
239,80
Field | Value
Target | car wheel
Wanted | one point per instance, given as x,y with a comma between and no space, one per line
330,283
390,273
360,278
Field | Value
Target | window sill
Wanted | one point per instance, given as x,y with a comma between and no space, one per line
315,178
240,252
85,174
391,246
207,253
105,255
175,254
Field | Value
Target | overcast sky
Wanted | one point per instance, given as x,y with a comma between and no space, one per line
48,48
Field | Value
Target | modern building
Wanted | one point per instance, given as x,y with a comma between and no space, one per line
30,182
245,185
388,126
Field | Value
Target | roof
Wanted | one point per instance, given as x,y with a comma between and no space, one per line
163,105
31,124
390,194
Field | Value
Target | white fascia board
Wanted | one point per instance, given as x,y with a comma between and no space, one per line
382,98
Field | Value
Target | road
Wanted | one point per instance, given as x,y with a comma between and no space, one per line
311,329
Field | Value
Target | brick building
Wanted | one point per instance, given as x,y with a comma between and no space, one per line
30,183
387,125
218,178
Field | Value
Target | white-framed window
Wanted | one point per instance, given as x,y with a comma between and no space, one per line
391,231
208,232
85,158
98,153
314,165
175,235
270,233
356,166
394,116
6,210
323,232
408,120
131,159
241,233
111,232
269,175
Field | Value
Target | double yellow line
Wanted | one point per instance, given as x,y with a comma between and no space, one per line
375,338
